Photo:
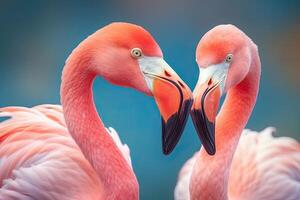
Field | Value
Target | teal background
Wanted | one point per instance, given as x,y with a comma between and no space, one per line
36,37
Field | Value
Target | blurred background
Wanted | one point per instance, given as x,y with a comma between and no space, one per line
36,37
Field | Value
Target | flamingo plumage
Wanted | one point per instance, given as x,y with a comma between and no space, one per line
234,163
54,152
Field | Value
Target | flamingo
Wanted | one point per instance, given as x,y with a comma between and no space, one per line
234,164
53,152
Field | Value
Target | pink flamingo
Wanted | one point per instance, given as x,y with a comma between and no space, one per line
254,166
39,158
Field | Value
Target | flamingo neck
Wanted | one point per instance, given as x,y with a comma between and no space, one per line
211,173
117,178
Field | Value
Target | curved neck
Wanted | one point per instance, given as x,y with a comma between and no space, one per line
211,173
117,179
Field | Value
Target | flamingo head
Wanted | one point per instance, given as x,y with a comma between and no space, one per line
127,55
223,56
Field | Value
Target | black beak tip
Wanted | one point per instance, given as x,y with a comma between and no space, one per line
211,150
173,128
205,131
166,150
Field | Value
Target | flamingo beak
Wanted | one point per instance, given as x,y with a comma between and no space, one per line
204,111
207,94
173,98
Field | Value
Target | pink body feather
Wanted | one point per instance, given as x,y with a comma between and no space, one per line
264,167
39,158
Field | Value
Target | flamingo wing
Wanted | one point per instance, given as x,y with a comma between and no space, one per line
181,191
40,160
122,147
265,167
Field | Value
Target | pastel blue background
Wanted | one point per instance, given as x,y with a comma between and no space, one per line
36,37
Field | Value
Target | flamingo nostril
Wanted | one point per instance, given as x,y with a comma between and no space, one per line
209,82
167,74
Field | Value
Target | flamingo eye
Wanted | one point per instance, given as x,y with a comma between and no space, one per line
136,52
229,58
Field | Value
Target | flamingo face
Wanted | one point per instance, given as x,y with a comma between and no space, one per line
223,64
133,59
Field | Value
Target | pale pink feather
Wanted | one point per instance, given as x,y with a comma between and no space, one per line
40,160
264,167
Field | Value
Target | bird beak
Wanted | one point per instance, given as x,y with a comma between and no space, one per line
173,98
204,110
207,94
